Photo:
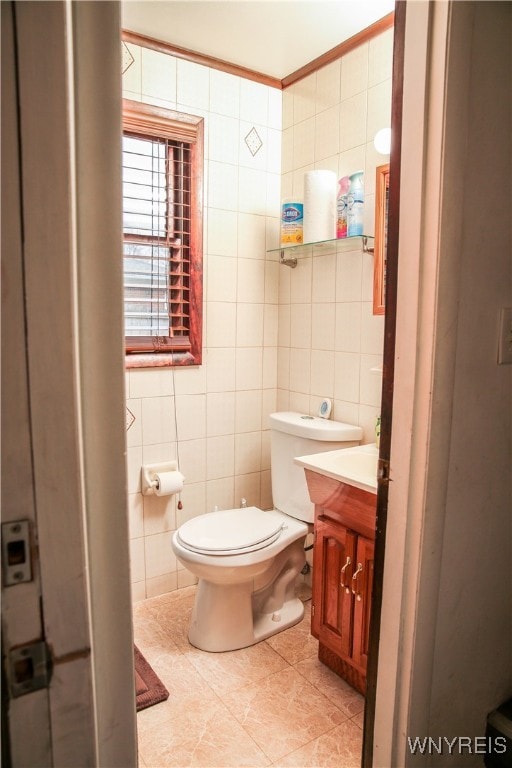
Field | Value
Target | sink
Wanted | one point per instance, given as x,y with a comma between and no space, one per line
354,466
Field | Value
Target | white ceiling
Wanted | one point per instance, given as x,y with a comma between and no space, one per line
275,37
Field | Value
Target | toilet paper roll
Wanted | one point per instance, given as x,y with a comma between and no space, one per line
168,483
320,189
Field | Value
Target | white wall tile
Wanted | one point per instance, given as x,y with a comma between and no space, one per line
132,78
134,432
327,133
269,373
354,72
328,86
323,325
304,98
220,493
370,391
324,278
352,121
300,281
137,562
220,373
160,585
251,281
221,282
283,370
346,376
158,425
379,108
380,59
220,456
222,186
251,236
372,330
223,139
224,93
304,143
300,326
275,108
270,321
159,514
151,382
158,75
322,373
300,368
246,158
249,372
349,268
133,465
192,460
253,102
160,559
193,500
220,413
193,84
271,282
135,515
248,453
348,327
220,324
252,190
288,95
191,417
222,232
248,411
247,486
249,325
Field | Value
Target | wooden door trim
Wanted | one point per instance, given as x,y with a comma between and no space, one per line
387,378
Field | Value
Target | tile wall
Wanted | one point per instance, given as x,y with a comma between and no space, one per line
213,417
329,340
273,337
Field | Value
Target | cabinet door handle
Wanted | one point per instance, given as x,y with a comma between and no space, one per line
355,581
343,584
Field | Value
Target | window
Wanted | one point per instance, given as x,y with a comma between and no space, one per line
162,235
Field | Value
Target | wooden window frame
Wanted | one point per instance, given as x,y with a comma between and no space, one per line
149,121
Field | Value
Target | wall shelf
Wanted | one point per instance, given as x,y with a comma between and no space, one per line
288,254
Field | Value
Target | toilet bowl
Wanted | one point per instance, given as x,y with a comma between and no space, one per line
247,560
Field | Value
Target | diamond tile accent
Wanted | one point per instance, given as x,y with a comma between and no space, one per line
130,418
253,141
126,58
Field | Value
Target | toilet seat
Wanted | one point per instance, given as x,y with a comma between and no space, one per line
230,531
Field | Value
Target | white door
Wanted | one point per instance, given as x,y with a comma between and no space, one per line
67,592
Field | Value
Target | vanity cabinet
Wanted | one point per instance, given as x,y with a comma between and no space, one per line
345,519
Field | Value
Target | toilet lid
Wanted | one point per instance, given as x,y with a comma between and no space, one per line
230,531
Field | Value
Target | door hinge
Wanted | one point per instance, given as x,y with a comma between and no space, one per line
30,668
313,609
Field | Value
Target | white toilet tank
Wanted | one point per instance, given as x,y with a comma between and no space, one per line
295,434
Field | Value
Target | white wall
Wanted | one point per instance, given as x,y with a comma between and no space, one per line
273,337
329,338
212,417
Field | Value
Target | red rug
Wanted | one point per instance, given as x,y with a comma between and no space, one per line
149,689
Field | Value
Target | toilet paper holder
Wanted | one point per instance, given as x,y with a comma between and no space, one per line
149,472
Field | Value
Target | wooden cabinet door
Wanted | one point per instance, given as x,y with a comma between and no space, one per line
335,548
362,591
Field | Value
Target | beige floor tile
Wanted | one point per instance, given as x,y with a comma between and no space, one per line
339,748
199,734
359,720
296,643
231,670
331,685
283,712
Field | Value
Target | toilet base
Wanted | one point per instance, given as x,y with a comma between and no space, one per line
233,626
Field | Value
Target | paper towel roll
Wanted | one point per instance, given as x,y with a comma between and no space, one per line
168,483
320,189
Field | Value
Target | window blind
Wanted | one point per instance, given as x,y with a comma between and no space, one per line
156,252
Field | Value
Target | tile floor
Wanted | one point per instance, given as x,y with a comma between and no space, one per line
273,704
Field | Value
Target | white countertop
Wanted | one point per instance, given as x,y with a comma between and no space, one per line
354,466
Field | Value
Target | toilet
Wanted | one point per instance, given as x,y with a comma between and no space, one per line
247,559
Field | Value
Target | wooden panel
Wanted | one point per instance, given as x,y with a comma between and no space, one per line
352,507
343,667
362,602
333,606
